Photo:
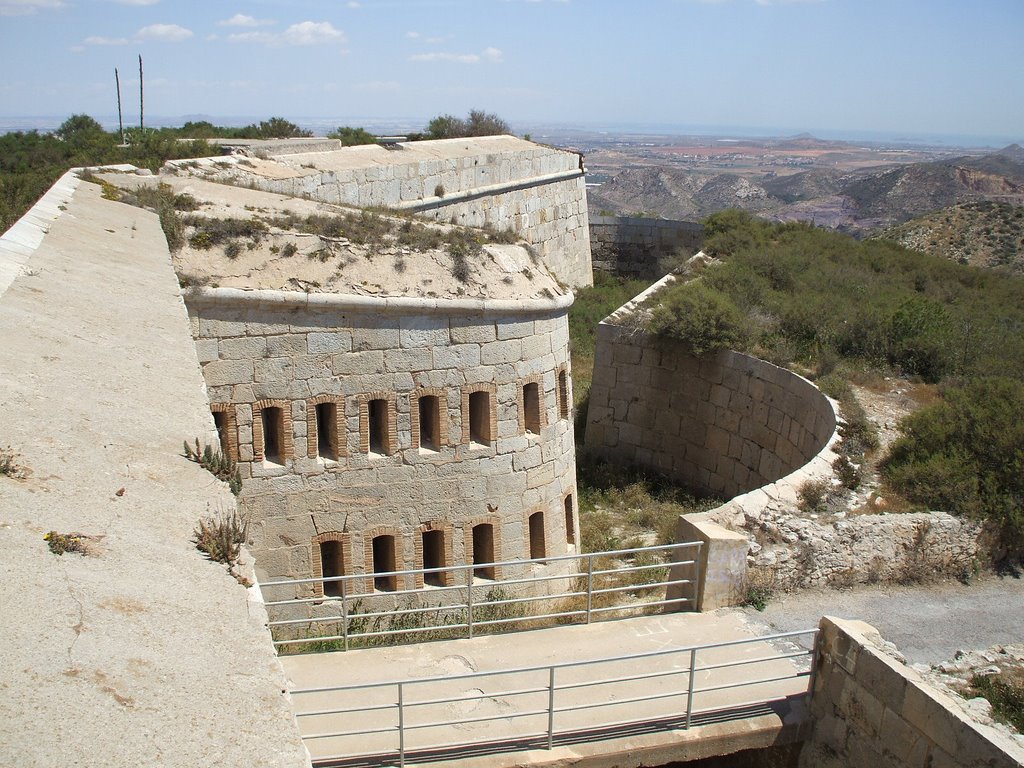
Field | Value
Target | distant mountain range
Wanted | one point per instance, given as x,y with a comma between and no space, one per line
860,202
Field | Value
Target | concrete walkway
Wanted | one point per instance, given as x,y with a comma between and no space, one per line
140,652
509,712
927,622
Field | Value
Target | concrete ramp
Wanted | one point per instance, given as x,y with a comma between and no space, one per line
138,652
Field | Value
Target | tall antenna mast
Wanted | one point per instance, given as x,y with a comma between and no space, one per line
140,93
120,122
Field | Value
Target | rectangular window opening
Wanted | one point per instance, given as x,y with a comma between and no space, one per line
430,422
433,557
480,418
384,561
531,407
537,536
333,564
483,551
220,420
327,431
563,394
377,422
273,434
570,528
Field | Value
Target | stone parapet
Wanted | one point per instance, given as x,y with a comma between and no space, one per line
869,709
640,247
725,424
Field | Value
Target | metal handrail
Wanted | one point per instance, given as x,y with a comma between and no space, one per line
465,605
685,690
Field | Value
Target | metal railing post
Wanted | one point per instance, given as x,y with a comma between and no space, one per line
469,601
590,585
344,614
698,577
401,728
551,707
689,693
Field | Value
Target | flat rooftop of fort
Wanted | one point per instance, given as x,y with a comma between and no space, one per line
231,236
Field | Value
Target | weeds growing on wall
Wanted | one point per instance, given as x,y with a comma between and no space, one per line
59,543
9,464
221,536
216,463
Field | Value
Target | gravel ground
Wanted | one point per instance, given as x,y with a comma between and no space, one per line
928,623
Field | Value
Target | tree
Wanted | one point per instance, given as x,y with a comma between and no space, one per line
479,123
279,128
446,127
351,137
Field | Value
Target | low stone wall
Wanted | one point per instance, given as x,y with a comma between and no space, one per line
724,424
640,247
869,710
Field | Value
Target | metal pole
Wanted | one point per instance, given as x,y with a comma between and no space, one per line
344,614
120,122
401,728
699,570
551,707
814,666
140,93
469,601
590,585
689,694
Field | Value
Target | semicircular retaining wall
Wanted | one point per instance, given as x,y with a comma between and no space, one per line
724,424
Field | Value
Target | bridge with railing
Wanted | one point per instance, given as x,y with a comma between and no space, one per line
667,683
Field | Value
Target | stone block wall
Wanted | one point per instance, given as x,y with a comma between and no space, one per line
869,710
640,247
372,361
725,424
538,192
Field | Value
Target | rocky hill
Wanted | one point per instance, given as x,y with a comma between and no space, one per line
985,234
860,202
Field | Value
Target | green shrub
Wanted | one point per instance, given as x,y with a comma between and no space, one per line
216,463
702,318
965,454
1006,698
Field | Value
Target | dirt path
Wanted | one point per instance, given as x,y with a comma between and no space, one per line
928,623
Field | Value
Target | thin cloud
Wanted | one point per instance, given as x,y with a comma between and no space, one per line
492,55
241,20
377,86
354,4
168,33
137,2
98,40
304,33
312,33
28,7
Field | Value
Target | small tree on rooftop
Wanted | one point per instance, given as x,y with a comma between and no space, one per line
351,137
478,123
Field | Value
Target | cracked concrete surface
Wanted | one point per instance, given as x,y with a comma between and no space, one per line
137,651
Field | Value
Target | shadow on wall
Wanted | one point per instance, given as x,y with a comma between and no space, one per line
723,424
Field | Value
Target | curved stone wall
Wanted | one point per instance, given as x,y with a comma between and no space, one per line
335,445
724,424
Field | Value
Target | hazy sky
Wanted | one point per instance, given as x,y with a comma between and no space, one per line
898,67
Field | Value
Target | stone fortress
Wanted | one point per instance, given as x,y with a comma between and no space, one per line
405,414
386,415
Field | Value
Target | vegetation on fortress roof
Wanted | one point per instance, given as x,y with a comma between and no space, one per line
30,162
795,294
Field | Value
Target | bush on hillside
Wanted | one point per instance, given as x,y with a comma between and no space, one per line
352,137
702,318
965,454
